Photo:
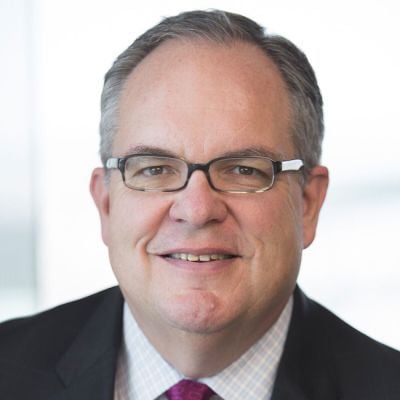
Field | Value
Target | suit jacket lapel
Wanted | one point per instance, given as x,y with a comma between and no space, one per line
304,372
87,369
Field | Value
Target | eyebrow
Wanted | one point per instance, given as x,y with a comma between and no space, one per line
252,151
246,152
151,150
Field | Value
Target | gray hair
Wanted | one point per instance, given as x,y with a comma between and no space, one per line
223,27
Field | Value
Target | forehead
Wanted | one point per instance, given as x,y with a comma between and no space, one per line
202,95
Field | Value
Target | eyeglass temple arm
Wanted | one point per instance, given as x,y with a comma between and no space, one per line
112,163
291,165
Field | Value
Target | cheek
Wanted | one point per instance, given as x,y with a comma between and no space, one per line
277,258
134,221
134,215
274,232
273,222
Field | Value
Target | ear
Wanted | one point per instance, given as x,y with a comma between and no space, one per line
313,197
100,194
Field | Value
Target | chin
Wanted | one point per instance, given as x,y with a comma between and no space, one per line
200,312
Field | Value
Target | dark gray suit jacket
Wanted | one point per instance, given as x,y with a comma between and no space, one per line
70,352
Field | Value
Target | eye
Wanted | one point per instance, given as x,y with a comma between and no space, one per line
155,170
243,170
246,170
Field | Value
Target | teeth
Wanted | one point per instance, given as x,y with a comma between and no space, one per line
200,257
192,257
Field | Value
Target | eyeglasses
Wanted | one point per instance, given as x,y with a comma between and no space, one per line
149,172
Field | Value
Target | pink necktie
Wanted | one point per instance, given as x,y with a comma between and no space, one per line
189,390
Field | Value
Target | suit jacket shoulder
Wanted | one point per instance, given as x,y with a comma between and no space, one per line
325,358
55,353
70,353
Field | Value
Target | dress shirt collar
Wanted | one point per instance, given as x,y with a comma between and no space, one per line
143,374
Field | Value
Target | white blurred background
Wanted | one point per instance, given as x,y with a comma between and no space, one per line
53,58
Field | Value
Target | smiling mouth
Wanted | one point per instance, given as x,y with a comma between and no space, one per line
200,257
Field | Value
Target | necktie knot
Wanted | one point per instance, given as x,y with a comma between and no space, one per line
189,390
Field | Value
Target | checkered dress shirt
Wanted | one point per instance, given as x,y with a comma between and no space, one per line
142,373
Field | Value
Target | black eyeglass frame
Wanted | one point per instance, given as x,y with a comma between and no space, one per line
278,167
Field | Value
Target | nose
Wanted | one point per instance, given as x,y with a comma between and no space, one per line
198,204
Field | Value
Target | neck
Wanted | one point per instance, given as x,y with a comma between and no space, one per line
198,355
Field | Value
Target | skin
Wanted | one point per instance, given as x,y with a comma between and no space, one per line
198,100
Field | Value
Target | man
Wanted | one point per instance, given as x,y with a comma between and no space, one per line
210,189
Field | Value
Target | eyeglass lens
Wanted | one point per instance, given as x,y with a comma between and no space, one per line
246,174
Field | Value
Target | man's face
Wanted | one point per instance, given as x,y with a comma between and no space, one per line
199,101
